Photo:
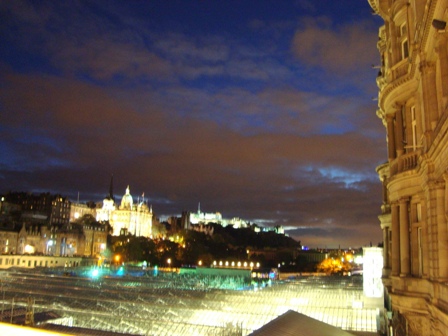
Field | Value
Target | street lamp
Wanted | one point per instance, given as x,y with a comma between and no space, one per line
169,263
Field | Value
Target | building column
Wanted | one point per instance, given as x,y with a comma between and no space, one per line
399,131
405,261
442,51
442,229
429,89
390,137
386,247
396,54
384,181
395,240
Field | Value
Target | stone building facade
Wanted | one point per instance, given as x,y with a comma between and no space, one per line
74,239
77,210
128,217
412,104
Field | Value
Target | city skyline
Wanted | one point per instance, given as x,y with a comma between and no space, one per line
257,109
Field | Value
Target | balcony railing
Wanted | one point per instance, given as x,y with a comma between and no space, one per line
400,69
404,163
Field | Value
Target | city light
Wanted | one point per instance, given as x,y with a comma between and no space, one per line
236,264
29,249
95,273
359,260
120,271
117,258
372,273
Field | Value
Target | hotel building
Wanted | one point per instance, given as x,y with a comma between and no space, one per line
412,105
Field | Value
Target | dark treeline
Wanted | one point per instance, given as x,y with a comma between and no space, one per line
189,247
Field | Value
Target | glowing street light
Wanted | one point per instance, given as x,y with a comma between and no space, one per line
169,262
117,258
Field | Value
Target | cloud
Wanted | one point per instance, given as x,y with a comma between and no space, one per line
342,49
231,121
79,41
184,158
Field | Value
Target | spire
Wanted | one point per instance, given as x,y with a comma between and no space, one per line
199,208
111,188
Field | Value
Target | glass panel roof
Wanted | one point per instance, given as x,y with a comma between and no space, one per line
170,304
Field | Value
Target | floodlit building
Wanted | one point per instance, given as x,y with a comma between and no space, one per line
412,104
372,271
200,217
77,210
128,217
73,239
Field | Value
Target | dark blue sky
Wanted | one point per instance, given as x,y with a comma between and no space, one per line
257,109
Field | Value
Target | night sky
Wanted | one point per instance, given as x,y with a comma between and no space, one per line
257,109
